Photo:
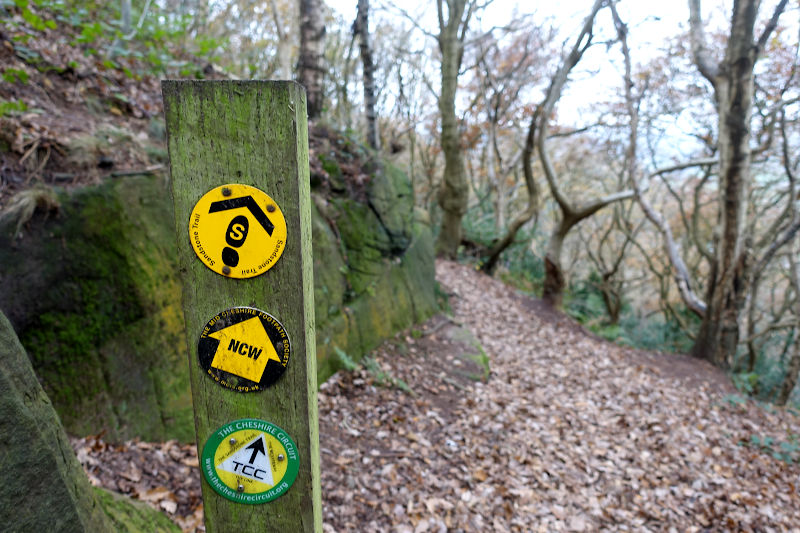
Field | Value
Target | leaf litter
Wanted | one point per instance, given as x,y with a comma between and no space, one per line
568,433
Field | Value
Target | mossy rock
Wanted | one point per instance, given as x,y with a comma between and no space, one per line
130,516
373,268
94,296
44,487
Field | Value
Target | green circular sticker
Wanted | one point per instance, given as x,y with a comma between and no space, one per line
250,461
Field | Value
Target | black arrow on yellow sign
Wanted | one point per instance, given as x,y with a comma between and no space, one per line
249,203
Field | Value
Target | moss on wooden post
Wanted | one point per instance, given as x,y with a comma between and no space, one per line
251,133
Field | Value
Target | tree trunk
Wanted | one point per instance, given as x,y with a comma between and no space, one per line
553,289
284,45
611,299
790,379
554,281
733,83
310,66
453,194
125,16
793,368
361,28
533,195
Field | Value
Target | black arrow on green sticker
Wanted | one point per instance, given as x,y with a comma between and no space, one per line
249,203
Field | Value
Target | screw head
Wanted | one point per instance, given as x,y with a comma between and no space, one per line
271,208
280,457
226,191
232,441
226,270
240,488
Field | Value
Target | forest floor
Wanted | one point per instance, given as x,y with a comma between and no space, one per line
568,432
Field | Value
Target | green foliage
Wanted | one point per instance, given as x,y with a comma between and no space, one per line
657,334
89,32
36,22
482,360
345,361
442,299
769,372
382,378
746,382
787,451
478,224
525,270
11,107
584,301
14,75
735,400
162,45
519,265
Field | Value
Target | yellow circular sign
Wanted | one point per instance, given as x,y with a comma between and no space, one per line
237,231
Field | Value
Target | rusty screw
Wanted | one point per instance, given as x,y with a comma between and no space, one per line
271,208
226,270
240,488
226,191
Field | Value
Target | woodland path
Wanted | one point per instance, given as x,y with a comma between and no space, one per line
569,433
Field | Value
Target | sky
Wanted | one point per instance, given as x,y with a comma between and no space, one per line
598,76
650,23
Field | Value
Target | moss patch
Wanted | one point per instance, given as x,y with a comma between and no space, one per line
97,304
129,516
389,273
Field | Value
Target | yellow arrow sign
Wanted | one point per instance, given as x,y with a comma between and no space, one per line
244,349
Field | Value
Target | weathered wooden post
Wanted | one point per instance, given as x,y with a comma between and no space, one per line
240,185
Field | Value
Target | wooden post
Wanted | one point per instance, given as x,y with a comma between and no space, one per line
250,133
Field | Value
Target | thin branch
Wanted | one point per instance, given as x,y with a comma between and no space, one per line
554,94
770,27
700,53
138,27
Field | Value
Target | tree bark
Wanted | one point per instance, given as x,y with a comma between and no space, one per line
453,194
554,281
125,16
533,195
310,66
732,81
790,379
361,28
284,44
611,299
793,368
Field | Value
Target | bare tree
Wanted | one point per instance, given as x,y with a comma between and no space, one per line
732,82
501,90
793,367
283,43
454,17
361,29
571,214
310,69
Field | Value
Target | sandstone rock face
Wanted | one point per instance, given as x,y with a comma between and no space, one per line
44,487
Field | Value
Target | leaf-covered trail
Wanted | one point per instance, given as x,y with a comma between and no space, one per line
569,433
